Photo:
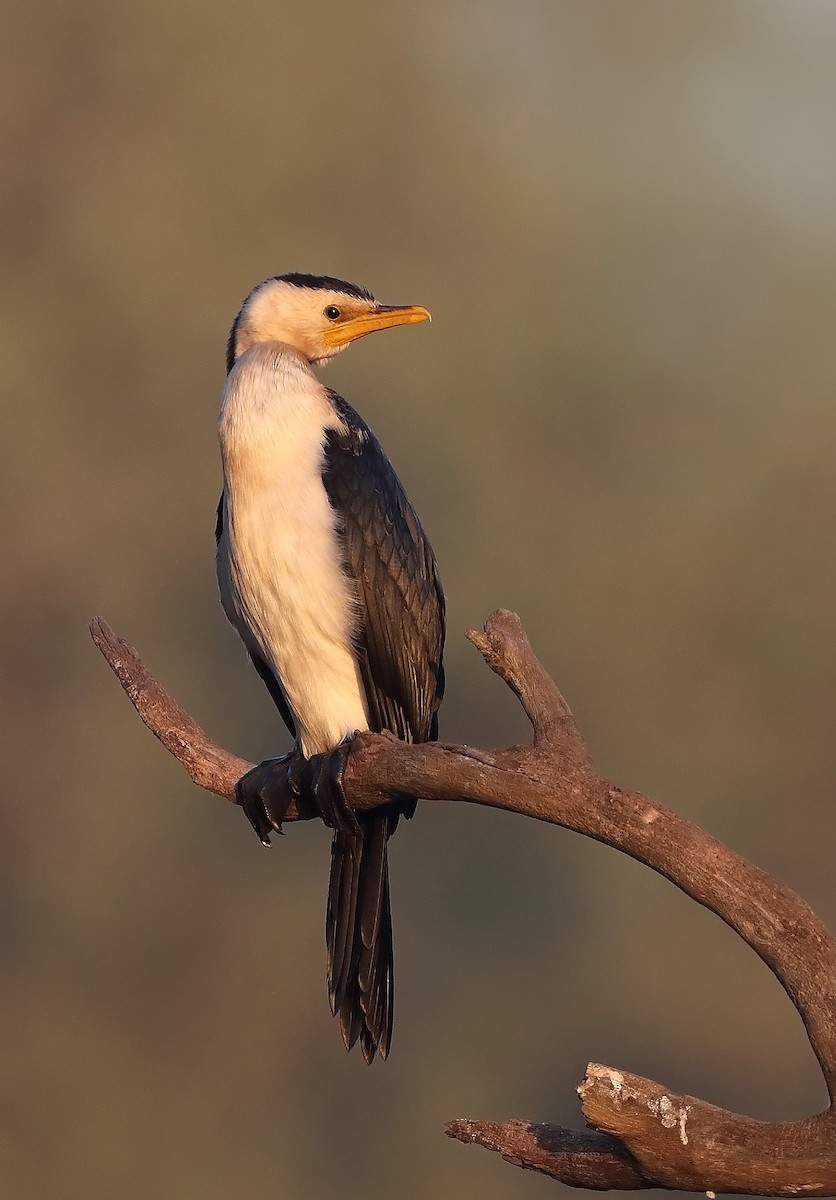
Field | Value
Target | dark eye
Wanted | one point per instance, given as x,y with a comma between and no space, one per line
333,313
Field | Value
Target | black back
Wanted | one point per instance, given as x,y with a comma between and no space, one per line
400,639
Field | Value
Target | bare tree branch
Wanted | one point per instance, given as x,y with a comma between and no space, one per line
576,1158
208,765
648,1136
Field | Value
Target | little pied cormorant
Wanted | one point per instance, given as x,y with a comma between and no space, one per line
327,575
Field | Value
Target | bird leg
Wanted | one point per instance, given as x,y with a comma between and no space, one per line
325,779
267,791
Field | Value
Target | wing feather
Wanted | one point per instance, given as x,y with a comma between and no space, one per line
400,635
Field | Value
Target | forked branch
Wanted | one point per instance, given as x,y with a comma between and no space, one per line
647,1136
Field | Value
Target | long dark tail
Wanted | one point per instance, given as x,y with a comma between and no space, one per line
358,932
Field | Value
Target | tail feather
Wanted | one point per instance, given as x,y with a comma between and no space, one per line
341,917
359,935
351,1025
374,875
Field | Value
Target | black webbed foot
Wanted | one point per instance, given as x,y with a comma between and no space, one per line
267,791
325,779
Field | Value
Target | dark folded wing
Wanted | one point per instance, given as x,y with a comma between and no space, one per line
400,634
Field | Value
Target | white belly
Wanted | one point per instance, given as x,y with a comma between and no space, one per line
279,569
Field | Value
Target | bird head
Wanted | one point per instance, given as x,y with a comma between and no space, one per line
315,314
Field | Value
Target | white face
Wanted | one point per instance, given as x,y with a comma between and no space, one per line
276,311
317,322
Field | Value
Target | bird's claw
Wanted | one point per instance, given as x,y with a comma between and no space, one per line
326,784
267,791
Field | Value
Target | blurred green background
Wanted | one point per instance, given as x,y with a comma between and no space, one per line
621,423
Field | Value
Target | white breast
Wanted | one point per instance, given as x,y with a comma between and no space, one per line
279,569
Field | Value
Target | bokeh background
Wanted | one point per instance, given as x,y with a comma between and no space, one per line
621,423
